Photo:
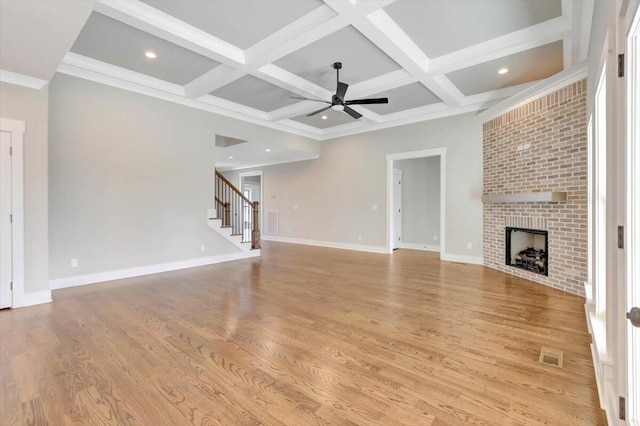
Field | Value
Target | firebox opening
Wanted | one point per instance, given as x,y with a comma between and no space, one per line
527,249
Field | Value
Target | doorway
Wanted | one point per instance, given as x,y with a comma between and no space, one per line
397,209
11,213
441,154
251,187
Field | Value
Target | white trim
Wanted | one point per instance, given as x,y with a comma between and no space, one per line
459,258
17,129
629,294
545,87
329,244
38,298
423,247
442,153
147,270
22,80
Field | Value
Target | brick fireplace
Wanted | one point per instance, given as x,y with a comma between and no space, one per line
531,154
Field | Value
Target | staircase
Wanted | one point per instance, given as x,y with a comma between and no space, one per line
235,217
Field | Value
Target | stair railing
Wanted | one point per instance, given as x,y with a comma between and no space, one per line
237,211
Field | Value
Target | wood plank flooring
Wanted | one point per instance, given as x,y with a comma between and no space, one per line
301,336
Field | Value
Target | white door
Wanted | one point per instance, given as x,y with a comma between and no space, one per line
6,260
633,226
397,208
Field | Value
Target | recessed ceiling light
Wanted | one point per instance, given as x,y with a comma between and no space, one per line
267,150
503,70
230,157
149,54
324,117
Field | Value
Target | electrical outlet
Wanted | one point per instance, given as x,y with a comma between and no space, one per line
520,148
295,207
469,246
74,263
527,146
374,207
435,238
359,237
203,247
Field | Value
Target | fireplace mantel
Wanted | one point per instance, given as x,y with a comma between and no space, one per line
523,197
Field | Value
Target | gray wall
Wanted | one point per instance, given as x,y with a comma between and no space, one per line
131,178
31,106
420,200
336,192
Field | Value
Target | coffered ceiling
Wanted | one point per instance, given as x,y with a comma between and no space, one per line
247,58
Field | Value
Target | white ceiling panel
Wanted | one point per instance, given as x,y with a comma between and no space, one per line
241,23
334,118
403,98
256,93
361,59
524,67
113,42
439,27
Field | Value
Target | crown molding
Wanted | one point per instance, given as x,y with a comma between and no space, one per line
22,80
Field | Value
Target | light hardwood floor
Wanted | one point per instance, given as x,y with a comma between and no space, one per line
301,336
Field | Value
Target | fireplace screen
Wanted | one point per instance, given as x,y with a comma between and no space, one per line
527,249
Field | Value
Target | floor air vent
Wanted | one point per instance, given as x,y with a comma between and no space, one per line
551,356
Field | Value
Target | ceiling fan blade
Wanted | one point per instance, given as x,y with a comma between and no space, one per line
352,112
319,111
341,90
367,101
309,99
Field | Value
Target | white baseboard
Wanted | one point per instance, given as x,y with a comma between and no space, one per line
38,298
602,365
462,258
424,247
330,244
147,270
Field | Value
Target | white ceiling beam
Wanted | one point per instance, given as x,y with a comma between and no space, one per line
292,82
212,80
499,94
567,41
380,29
367,113
581,24
294,110
380,84
315,25
93,65
508,44
146,18
312,27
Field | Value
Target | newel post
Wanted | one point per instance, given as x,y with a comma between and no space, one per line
255,234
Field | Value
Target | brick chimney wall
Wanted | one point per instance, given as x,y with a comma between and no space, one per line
555,127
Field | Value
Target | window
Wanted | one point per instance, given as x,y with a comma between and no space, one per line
600,196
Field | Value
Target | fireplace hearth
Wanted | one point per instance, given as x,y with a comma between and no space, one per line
527,249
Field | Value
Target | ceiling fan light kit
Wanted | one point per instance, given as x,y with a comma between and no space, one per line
337,101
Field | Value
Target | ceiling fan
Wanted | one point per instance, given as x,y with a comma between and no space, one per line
337,101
